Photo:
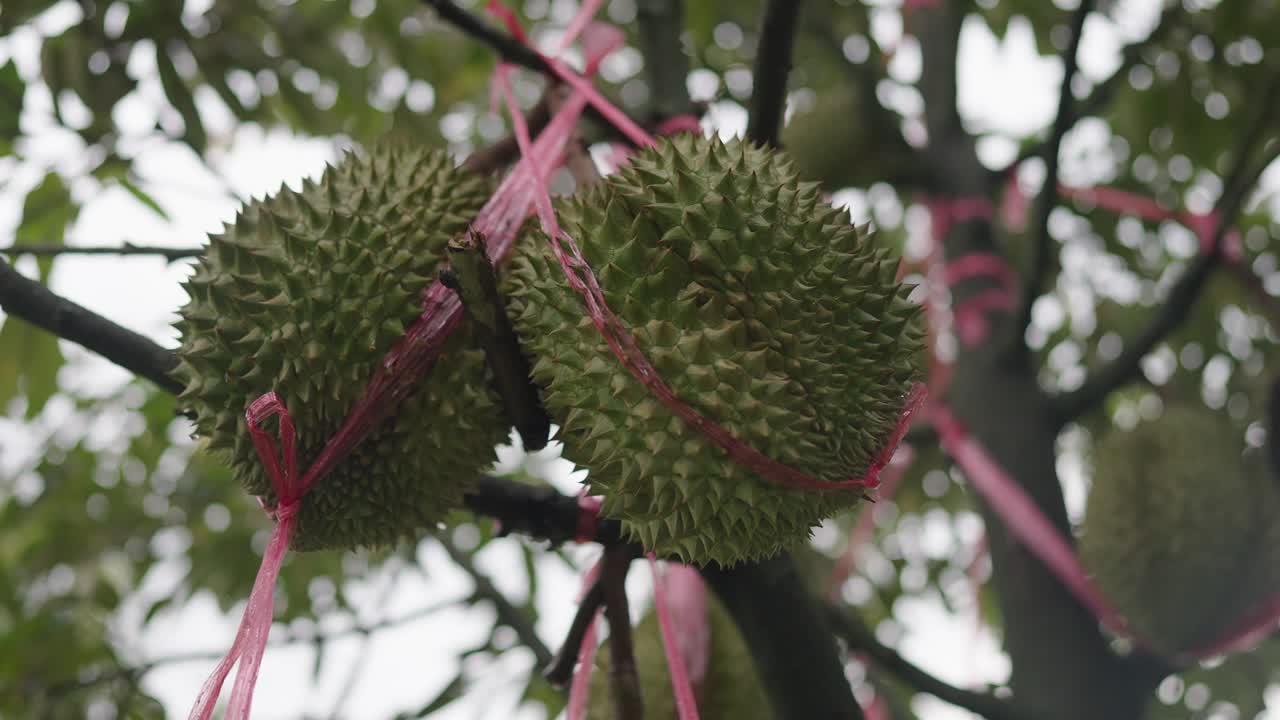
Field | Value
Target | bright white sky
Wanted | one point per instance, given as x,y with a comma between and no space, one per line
1005,87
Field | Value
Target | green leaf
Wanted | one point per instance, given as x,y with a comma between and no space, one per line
180,96
141,196
29,359
12,91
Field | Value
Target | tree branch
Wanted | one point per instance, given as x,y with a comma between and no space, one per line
861,639
560,671
1102,93
508,48
537,511
659,25
1042,247
52,249
31,301
471,276
1249,162
624,676
789,636
772,66
508,614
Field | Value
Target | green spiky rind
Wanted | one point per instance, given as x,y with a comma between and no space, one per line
1179,531
730,691
304,294
760,305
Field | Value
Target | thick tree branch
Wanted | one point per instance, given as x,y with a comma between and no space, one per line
52,249
790,639
1042,247
537,511
1102,93
860,639
508,614
471,276
938,30
31,301
1251,157
772,67
624,676
659,26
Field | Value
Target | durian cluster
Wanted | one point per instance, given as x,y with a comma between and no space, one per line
1182,528
760,305
304,294
757,302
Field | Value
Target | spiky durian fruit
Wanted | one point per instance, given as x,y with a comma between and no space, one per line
730,691
304,294
1182,532
760,305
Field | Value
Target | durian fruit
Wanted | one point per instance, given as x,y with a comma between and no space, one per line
304,294
1182,531
760,305
730,691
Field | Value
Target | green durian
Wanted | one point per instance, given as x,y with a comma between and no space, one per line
304,294
1182,528
730,691
760,305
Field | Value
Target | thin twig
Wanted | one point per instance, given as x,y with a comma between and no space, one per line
509,48
772,67
624,677
560,671
1249,163
29,300
1042,244
287,640
52,249
860,639
508,614
471,276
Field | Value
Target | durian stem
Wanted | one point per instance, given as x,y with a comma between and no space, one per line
624,676
471,276
24,298
560,671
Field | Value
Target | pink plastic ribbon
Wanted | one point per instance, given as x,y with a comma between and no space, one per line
686,596
580,687
251,637
686,703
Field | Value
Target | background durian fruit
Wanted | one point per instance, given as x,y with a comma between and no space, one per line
304,294
1182,528
730,690
760,305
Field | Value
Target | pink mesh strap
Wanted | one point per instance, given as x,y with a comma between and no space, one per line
580,686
